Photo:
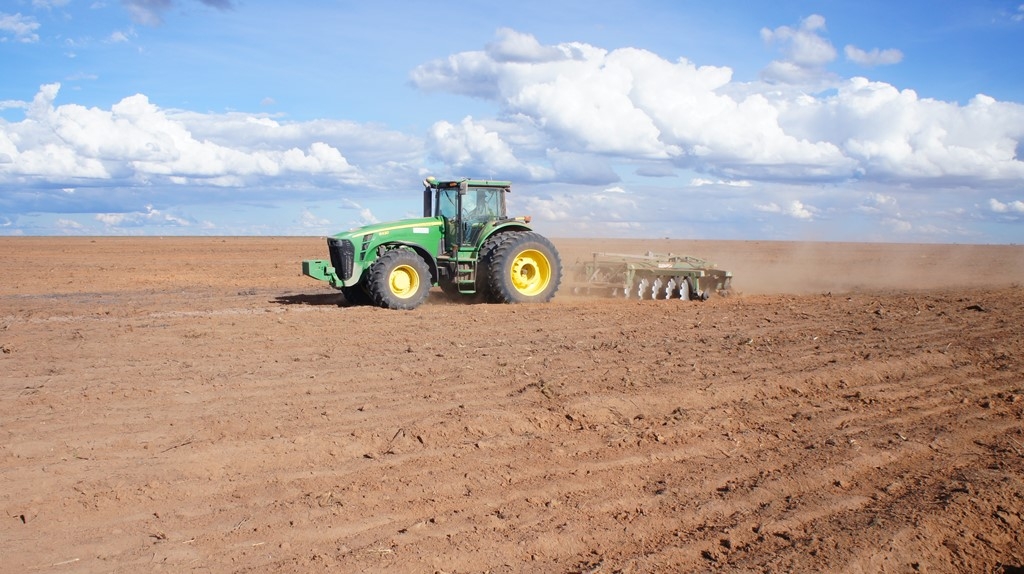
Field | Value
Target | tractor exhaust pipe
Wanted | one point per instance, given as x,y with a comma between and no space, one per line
426,197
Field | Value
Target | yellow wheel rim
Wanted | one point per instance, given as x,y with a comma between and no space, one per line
404,281
531,272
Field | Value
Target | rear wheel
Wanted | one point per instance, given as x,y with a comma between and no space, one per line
484,284
399,279
523,268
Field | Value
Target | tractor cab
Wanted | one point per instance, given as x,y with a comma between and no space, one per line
468,207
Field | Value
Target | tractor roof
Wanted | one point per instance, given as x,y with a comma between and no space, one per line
436,184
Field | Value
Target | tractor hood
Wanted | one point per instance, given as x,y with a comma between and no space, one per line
414,226
353,251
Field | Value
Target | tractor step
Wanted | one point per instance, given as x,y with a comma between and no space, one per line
465,273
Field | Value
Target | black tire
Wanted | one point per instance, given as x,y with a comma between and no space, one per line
399,279
484,286
524,267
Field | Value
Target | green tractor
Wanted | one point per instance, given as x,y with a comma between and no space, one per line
465,243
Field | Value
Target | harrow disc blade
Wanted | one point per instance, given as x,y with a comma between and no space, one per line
643,287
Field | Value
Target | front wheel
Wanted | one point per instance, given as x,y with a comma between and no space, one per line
524,268
399,279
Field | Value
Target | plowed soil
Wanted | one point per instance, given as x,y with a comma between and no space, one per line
196,405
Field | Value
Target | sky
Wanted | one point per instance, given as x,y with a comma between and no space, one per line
828,120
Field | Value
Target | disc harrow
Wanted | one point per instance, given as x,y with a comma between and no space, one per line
652,276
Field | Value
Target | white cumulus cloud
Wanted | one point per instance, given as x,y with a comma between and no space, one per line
23,28
806,52
512,46
893,133
470,146
880,203
997,206
149,217
795,209
875,57
68,225
310,220
898,225
701,182
136,141
633,104
119,36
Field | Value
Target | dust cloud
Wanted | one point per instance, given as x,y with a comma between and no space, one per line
796,268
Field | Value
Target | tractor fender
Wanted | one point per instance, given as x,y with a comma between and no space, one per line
421,251
505,227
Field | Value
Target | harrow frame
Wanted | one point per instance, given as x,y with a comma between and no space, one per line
650,276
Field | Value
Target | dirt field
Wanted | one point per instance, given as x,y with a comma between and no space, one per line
196,405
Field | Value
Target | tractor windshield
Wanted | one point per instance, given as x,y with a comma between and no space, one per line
481,204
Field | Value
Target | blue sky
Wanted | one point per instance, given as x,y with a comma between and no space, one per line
795,120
